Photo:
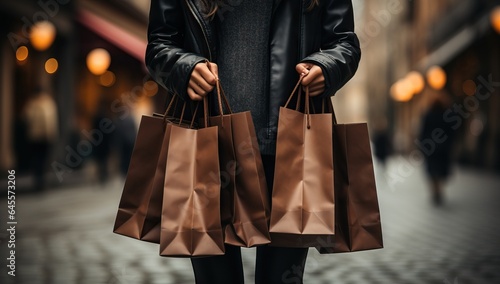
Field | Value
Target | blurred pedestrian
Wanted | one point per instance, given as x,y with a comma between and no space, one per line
261,48
381,141
436,143
21,144
41,120
102,151
126,131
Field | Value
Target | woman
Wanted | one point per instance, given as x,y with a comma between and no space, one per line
258,48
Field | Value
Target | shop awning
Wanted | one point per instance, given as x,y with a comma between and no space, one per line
121,38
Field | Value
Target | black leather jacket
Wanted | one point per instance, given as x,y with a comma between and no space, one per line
180,37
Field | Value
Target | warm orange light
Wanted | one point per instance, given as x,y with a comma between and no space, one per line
150,88
402,90
469,87
51,65
42,35
495,19
107,79
98,61
436,77
22,53
417,81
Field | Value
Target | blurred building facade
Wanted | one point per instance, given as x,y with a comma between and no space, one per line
397,37
453,49
56,60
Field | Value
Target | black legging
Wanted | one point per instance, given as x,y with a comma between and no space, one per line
274,265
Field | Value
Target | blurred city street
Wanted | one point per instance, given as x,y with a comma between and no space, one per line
74,84
64,235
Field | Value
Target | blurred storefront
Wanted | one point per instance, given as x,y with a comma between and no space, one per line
464,39
88,56
422,50
402,40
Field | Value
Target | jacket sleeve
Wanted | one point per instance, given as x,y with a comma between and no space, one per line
168,62
340,51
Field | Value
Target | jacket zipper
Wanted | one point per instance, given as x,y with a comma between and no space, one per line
202,29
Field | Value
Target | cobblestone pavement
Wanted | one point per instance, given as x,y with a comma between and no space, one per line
64,236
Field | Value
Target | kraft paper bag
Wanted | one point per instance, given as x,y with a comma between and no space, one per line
358,225
303,203
245,206
190,221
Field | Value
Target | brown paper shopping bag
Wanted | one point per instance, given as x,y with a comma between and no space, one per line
244,200
152,222
303,207
190,222
134,210
357,221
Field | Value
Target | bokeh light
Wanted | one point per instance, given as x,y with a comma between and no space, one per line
107,79
42,35
22,53
150,88
51,65
417,81
476,127
402,90
436,77
98,61
495,19
469,87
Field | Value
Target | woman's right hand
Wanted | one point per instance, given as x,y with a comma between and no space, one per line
203,80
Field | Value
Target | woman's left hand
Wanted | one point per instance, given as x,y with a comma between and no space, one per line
313,78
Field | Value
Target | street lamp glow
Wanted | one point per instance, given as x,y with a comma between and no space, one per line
98,61
51,65
22,53
495,19
436,77
417,81
150,88
469,87
402,91
42,35
107,79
